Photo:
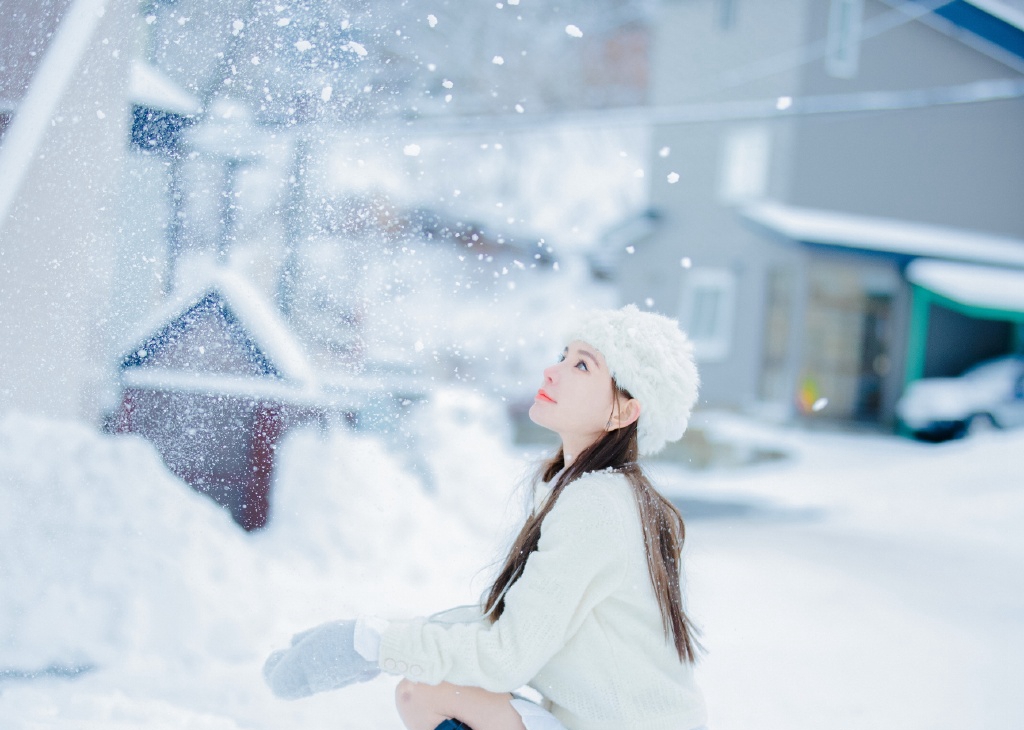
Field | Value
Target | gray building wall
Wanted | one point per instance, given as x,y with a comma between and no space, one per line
955,166
693,53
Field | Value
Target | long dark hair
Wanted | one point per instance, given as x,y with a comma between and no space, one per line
662,524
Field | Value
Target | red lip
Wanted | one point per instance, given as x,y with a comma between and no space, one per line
542,396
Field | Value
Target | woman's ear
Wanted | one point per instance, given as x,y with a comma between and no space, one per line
627,412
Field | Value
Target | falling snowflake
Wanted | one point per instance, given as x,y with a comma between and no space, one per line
573,31
497,60
411,150
664,152
432,20
685,262
325,93
357,48
673,177
303,45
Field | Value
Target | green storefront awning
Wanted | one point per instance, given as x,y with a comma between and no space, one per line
984,292
978,291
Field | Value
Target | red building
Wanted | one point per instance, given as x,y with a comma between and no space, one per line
214,383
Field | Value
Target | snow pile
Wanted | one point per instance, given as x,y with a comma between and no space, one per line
355,532
104,552
475,478
345,506
113,569
987,388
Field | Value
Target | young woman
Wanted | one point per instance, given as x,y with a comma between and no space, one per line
588,608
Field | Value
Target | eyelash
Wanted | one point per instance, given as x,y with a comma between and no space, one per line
561,358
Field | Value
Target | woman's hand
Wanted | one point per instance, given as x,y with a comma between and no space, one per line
320,659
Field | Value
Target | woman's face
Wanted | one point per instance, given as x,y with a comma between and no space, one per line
576,399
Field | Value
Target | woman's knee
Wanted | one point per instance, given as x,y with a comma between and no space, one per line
423,706
414,700
406,693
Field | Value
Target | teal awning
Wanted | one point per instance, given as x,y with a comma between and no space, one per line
978,291
983,292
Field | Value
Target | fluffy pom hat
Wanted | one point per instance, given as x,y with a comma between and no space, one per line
649,356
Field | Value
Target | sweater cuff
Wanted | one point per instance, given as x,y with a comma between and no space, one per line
367,637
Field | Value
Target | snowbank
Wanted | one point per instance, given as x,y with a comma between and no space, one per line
344,506
104,552
127,599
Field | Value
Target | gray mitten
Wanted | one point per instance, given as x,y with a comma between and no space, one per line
320,659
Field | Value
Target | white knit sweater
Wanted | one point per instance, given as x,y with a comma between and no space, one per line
581,625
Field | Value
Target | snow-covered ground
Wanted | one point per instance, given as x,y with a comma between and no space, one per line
862,581
874,582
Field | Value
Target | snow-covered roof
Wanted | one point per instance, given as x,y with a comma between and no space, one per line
992,27
151,88
1001,10
229,131
261,321
975,286
236,386
834,228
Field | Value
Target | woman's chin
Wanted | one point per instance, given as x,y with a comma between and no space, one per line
536,414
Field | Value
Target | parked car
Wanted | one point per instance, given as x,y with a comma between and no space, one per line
989,394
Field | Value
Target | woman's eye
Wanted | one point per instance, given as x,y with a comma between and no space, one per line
561,358
582,365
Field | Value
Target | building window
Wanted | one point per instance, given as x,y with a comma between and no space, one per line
5,120
746,154
842,46
708,306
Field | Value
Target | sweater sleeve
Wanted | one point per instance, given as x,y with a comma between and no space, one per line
578,563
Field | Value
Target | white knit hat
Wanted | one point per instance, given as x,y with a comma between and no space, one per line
649,356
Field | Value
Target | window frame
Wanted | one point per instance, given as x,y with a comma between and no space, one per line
712,333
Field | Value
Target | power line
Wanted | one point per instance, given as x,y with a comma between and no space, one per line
901,14
977,92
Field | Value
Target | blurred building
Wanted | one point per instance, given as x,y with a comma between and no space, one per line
214,382
64,119
808,159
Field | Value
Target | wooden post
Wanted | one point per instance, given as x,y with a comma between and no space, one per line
268,425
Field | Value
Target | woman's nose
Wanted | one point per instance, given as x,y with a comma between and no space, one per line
549,373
